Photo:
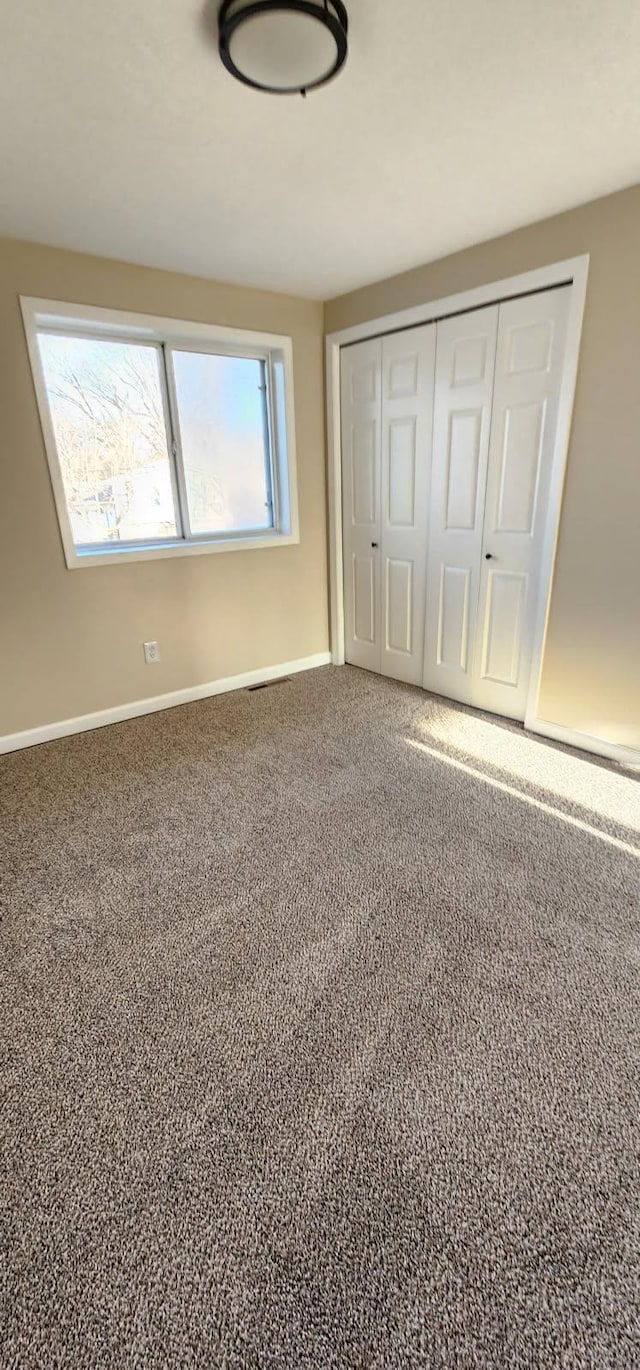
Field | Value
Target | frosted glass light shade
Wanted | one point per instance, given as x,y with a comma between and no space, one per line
283,46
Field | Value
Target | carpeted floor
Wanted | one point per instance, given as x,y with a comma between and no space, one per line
321,1026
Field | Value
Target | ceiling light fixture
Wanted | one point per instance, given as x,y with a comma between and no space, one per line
283,46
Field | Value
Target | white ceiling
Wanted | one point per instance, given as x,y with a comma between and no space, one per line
454,120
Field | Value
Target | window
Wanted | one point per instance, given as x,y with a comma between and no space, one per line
163,438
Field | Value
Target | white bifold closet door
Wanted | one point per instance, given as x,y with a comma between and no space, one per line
386,417
498,373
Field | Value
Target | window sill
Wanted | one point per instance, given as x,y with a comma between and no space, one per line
115,556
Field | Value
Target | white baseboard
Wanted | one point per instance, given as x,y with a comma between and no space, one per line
11,742
614,751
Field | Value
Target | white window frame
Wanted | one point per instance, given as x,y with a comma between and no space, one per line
274,349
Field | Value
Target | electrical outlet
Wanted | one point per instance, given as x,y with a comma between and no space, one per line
151,652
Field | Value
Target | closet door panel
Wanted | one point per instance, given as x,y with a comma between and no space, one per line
530,351
465,358
360,379
408,363
453,617
502,625
399,606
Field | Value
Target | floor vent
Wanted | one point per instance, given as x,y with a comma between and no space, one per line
266,684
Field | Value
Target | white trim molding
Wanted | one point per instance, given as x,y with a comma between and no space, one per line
572,271
48,732
585,742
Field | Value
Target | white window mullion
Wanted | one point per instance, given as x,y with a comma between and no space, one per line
175,446
272,444
268,420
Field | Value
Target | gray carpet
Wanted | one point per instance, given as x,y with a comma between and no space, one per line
319,1049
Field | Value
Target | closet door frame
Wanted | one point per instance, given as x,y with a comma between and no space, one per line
573,272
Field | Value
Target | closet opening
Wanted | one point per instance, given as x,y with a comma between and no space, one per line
451,438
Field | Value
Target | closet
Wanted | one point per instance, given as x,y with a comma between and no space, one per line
447,439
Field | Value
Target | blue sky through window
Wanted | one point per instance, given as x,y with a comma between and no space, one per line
221,409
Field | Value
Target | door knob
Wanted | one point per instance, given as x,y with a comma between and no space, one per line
374,544
488,556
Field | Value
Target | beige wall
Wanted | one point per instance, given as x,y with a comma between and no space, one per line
591,675
71,641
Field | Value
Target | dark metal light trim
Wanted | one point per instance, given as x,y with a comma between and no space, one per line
331,13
